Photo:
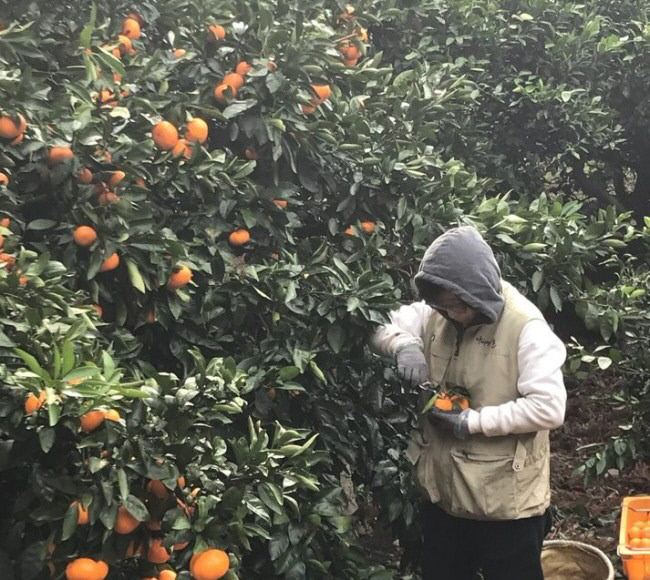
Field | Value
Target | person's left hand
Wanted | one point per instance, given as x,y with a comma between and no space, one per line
455,422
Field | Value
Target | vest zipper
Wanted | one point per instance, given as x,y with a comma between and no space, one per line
460,331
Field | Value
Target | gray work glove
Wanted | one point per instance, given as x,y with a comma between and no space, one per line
456,422
412,366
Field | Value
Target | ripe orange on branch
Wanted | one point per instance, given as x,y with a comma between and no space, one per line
59,154
117,177
107,197
125,523
157,553
86,569
112,415
234,80
181,275
34,403
85,176
131,28
323,91
8,259
210,564
350,50
217,32
125,46
84,236
82,513
243,68
11,127
183,147
91,420
4,180
164,135
224,92
239,237
106,97
110,263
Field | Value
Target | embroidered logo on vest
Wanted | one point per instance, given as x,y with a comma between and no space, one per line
485,342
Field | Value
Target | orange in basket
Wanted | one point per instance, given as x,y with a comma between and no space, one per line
634,537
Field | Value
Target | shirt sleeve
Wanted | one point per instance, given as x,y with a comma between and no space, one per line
406,327
542,403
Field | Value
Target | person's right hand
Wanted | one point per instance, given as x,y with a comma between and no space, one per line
412,366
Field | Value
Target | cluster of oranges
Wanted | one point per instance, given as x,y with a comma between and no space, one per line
216,32
349,47
231,83
450,402
89,421
131,30
12,129
367,227
444,400
209,564
165,136
638,535
86,236
93,419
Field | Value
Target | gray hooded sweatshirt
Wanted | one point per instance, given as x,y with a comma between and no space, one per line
461,261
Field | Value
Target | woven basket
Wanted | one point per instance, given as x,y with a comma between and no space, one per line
566,560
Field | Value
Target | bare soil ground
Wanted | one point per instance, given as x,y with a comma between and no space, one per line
590,511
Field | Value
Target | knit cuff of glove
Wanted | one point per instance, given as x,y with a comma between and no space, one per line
462,429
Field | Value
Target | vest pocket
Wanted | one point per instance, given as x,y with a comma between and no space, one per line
418,454
532,486
483,486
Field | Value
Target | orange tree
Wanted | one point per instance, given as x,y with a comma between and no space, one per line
244,190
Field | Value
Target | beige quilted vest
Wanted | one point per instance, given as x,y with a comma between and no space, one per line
485,478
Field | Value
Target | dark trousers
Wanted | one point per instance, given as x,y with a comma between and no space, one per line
457,548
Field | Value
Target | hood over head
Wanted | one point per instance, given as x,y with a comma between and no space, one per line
461,261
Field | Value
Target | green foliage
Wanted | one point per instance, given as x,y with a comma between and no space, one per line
254,379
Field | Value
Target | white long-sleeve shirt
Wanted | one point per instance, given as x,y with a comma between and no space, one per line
540,356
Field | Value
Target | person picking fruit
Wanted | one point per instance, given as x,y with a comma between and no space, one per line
484,470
